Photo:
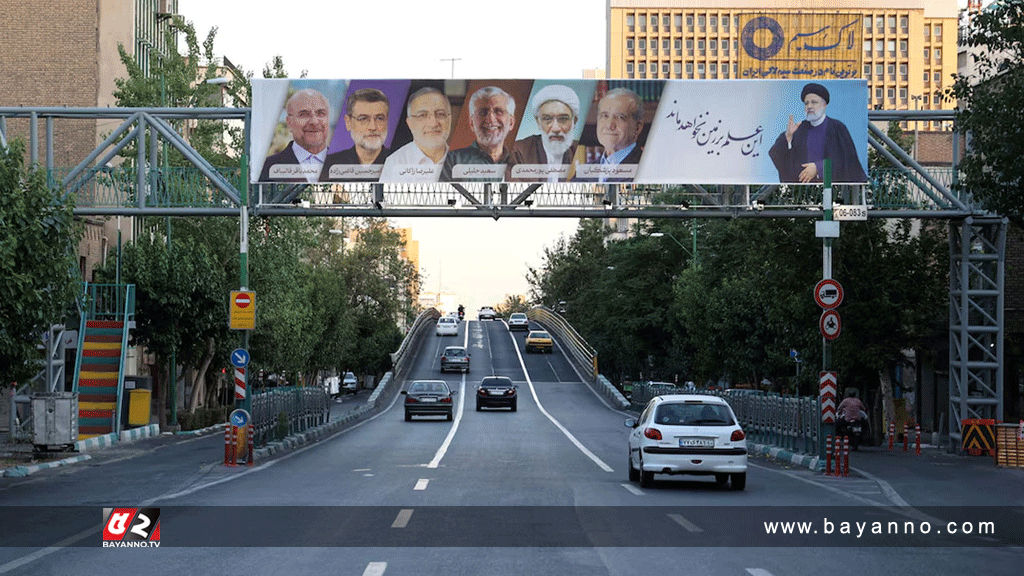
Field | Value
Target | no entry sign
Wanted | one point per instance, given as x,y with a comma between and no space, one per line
242,314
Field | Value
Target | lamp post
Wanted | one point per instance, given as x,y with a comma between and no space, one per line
692,252
917,100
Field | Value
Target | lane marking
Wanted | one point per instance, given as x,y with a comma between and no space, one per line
375,569
455,427
633,489
684,523
758,572
557,424
19,562
403,518
421,484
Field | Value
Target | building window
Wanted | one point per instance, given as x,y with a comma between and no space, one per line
891,44
689,46
938,55
654,46
879,71
629,69
891,69
904,24
903,72
642,20
927,55
654,22
664,46
700,48
938,31
677,69
714,23
867,71
892,24
643,46
878,94
713,69
714,47
665,22
735,44
702,23
630,22
903,48
880,48
725,71
880,24
735,66
927,77
938,78
903,96
891,93
689,22
689,69
678,43
642,69
664,70
925,100
679,22
725,24
867,24
725,47
629,46
927,32
867,48
700,70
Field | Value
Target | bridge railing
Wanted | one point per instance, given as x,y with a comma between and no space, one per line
280,412
579,352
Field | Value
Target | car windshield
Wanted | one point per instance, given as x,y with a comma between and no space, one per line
429,387
693,415
539,335
518,317
496,383
445,321
454,351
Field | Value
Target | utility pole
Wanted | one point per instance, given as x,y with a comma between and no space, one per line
452,60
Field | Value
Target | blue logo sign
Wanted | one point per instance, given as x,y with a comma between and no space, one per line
239,418
240,358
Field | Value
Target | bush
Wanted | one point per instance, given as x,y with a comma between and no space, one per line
204,418
282,425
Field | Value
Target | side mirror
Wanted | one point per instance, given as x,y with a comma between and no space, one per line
455,392
630,423
404,392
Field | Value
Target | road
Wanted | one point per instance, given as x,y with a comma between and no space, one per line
539,491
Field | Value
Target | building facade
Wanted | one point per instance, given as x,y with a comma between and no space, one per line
909,46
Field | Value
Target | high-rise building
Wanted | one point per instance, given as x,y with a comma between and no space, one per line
908,47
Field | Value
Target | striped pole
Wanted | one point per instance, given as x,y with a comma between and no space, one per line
227,445
906,436
846,455
250,442
892,434
917,438
837,451
828,455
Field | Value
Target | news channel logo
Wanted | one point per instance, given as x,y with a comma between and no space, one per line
131,527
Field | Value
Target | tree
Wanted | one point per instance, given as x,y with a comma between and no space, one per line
989,110
512,304
38,263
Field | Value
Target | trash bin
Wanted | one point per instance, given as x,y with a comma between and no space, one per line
135,409
55,419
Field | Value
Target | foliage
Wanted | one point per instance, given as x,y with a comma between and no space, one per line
38,264
512,304
989,110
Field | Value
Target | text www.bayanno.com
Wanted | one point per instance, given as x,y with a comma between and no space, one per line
893,528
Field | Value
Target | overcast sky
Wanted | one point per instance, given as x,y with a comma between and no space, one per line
478,259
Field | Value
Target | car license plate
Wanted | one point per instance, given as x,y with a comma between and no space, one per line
497,392
856,429
696,442
428,399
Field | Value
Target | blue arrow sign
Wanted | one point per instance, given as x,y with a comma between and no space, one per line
239,418
240,358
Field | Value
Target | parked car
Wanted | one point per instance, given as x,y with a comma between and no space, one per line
486,313
518,321
349,383
428,398
455,358
687,434
447,326
540,341
496,391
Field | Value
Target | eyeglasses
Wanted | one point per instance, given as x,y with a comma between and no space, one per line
366,119
562,119
439,115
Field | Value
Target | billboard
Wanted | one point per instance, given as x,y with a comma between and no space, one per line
800,45
514,130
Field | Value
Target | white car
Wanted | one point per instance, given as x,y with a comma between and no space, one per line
687,434
518,321
486,313
349,383
447,326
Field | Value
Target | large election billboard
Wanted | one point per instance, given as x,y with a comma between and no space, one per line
513,130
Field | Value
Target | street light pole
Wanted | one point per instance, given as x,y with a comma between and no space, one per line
917,99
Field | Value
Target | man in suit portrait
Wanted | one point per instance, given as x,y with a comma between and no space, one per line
620,119
302,160
429,117
800,151
556,108
366,119
492,113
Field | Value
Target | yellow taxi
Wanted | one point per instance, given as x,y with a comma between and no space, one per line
540,341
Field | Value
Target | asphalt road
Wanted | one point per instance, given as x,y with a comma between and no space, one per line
539,491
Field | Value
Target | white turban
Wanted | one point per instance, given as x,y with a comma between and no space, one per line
559,92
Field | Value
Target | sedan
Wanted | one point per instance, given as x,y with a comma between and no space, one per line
496,391
518,321
486,313
428,398
540,341
687,434
447,326
455,358
350,384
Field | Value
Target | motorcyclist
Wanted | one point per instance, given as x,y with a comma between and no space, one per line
462,311
851,412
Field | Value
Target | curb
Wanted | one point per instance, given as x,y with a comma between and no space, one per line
812,463
21,471
611,392
310,436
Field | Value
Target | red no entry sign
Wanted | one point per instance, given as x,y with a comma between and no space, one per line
242,313
242,300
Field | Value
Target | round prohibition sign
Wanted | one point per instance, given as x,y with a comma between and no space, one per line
830,324
242,300
828,294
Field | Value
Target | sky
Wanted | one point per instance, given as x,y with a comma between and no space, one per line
480,260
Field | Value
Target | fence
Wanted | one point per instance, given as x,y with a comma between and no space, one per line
280,412
580,353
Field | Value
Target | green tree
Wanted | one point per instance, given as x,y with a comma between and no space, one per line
989,111
512,304
38,264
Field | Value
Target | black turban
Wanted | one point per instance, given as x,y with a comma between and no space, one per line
813,88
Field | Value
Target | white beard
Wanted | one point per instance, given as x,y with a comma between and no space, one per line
555,148
816,119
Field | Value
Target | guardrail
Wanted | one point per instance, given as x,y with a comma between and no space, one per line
423,324
580,353
281,412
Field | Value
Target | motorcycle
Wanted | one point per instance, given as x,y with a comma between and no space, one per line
462,315
855,429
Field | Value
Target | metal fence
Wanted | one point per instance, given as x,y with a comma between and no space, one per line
281,412
580,353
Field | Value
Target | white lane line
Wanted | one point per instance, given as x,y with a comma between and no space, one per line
375,569
758,572
684,523
421,484
568,434
633,489
455,427
19,562
403,518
